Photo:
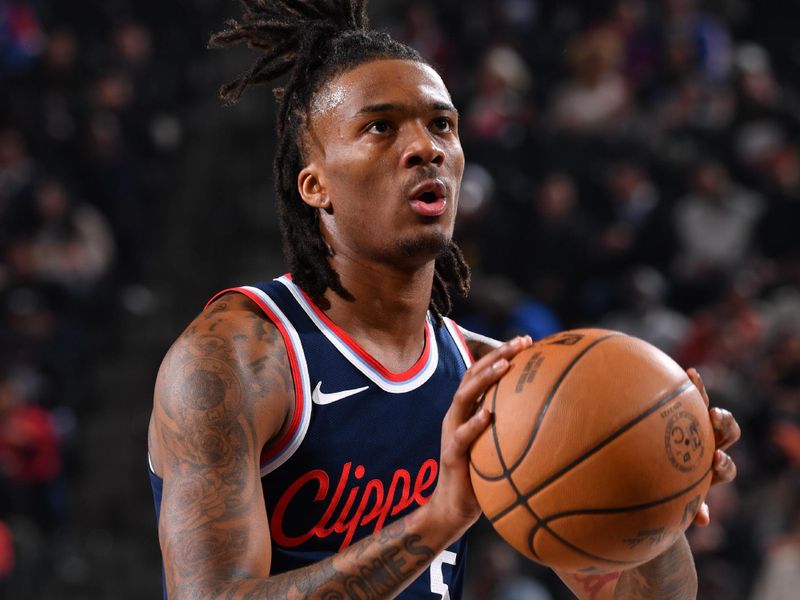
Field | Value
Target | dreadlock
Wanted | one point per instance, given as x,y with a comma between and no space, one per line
311,42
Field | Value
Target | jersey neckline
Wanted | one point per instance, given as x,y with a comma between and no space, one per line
353,350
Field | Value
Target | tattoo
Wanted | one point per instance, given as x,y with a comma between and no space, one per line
378,566
593,584
207,401
213,526
670,576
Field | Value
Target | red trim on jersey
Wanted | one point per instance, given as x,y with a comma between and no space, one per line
416,368
463,341
267,454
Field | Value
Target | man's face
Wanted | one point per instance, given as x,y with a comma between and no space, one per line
384,163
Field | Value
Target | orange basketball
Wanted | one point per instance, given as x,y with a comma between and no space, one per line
599,453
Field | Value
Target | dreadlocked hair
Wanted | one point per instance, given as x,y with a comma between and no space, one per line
311,42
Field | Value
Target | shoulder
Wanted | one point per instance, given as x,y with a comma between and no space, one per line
478,344
230,364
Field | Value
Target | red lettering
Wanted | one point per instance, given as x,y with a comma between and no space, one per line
353,523
362,506
280,508
425,479
383,509
319,529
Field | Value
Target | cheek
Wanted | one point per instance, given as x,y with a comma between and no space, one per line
356,180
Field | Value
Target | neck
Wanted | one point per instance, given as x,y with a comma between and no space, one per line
387,314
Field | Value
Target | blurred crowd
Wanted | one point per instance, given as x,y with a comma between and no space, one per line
631,164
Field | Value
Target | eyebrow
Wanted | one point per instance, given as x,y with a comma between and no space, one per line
391,107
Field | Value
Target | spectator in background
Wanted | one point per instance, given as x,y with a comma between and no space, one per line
694,42
633,224
645,313
17,168
778,234
723,340
595,99
30,458
71,244
631,20
553,240
500,111
714,223
779,578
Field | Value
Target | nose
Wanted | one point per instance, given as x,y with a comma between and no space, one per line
422,148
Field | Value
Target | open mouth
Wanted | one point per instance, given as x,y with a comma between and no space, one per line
429,199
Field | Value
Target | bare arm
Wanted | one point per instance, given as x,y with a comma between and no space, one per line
223,391
669,576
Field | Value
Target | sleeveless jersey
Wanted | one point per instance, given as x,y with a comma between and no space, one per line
363,446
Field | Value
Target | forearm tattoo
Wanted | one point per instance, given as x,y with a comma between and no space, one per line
378,566
593,585
670,576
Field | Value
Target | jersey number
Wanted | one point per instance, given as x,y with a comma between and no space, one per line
438,586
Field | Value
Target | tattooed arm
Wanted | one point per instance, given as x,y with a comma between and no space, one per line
223,391
669,576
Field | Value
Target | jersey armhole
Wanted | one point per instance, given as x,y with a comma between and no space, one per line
279,451
461,343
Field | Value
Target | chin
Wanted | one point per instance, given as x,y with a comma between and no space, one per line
426,247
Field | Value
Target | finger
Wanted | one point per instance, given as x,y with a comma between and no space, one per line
469,431
723,467
483,374
694,376
465,398
703,517
726,429
507,350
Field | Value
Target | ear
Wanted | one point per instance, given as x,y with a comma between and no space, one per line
311,188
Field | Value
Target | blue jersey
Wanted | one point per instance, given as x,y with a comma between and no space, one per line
364,443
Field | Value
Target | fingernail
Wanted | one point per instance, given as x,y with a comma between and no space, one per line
499,365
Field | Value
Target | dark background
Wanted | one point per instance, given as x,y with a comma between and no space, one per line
631,164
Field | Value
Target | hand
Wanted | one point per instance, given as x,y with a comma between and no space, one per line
726,432
454,500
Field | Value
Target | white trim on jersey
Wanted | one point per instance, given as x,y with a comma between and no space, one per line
459,341
296,347
359,363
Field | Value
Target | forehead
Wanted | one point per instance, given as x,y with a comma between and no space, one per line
384,81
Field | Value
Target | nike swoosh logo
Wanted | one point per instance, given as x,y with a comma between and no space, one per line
320,397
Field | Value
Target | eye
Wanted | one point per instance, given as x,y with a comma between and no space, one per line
443,124
379,127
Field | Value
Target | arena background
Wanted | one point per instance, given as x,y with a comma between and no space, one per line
631,164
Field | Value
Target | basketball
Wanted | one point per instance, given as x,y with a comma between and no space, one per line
599,453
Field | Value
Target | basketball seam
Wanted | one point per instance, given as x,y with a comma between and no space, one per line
634,507
552,394
543,524
597,447
521,499
539,419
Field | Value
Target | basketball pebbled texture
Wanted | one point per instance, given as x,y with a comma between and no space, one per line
599,453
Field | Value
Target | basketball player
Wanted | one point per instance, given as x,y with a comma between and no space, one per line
309,435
